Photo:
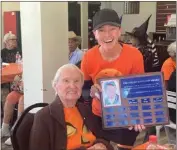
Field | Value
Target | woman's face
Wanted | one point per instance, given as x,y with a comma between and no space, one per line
69,86
107,36
172,55
111,91
11,43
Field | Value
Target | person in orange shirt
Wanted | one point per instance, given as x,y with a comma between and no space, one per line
170,64
110,54
65,124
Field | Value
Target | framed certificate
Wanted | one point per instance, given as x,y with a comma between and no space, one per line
136,99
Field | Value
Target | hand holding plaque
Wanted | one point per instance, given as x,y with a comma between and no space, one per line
137,128
95,91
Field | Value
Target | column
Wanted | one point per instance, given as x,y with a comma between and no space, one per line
44,29
84,24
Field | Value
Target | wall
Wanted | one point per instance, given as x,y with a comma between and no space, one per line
54,42
15,6
7,6
130,21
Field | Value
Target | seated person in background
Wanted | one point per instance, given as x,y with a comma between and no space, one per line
170,64
14,97
111,96
8,54
140,40
75,54
64,124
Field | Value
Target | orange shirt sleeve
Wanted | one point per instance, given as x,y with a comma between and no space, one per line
167,70
138,65
84,67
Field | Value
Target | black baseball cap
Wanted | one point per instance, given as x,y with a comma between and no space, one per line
106,17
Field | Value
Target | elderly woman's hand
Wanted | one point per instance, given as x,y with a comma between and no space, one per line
138,128
95,90
97,146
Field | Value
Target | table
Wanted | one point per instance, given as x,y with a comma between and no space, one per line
9,72
141,147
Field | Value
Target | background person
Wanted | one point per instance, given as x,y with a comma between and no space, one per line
75,54
169,65
8,54
140,40
13,98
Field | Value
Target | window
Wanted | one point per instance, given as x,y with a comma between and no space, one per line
131,7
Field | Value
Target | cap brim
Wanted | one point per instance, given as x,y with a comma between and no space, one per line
106,23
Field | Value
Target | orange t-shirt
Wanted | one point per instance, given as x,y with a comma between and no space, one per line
77,133
168,67
129,62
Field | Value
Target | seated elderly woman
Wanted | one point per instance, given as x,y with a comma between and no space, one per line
66,124
169,65
8,54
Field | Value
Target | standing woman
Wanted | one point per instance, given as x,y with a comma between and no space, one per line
110,54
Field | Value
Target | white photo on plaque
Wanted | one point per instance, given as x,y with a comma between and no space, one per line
111,93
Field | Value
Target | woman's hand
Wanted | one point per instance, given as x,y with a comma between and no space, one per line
95,91
138,128
97,146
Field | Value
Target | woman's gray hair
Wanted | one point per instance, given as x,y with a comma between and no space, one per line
58,73
172,49
8,36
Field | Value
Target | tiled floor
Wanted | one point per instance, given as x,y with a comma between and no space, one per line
5,147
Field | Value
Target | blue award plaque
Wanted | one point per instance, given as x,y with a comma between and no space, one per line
135,99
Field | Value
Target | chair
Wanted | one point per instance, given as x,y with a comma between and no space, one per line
20,132
171,99
78,64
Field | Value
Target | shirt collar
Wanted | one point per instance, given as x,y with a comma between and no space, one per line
74,52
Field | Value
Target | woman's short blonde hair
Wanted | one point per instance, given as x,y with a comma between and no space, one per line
58,73
8,36
172,49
